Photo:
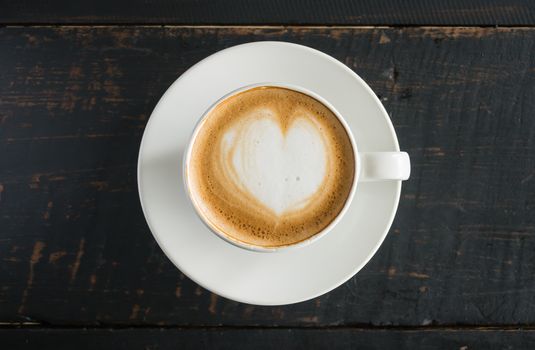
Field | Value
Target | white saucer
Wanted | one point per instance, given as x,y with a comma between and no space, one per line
263,278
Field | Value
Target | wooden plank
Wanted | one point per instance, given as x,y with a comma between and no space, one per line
333,12
73,241
265,339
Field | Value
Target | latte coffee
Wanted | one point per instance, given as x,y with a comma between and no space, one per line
270,167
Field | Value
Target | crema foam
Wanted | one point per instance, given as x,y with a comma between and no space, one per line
270,167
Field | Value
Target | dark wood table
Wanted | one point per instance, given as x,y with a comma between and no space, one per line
79,267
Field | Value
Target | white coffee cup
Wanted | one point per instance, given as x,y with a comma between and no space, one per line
370,166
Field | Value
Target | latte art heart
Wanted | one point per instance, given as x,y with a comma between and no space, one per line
282,170
270,167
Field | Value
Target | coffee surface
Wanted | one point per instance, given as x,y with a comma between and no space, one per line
270,167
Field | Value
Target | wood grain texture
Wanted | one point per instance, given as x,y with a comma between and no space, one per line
332,12
259,339
74,246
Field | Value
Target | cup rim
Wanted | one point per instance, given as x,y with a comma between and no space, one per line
293,246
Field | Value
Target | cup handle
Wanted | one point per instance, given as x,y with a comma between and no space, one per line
382,166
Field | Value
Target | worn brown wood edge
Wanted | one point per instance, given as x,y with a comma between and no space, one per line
370,12
157,338
348,327
458,251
